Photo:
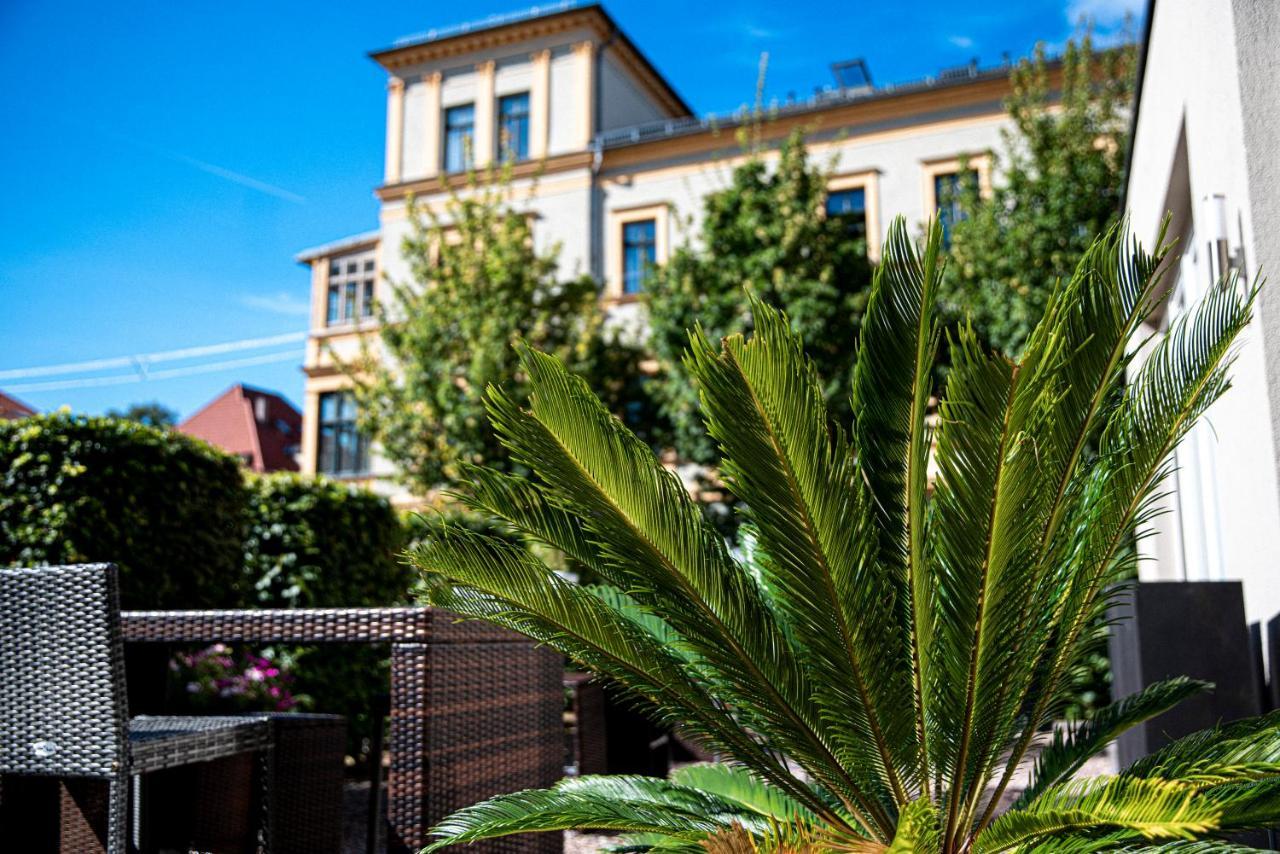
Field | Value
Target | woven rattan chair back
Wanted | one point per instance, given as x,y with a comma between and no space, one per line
62,699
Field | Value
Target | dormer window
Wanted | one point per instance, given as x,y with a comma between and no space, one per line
513,127
459,137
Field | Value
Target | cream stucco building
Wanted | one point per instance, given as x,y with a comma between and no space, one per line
618,160
1206,149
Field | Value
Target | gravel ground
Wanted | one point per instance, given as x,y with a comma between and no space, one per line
586,843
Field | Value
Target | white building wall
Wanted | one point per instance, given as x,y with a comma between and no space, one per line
513,72
457,87
622,103
564,102
558,203
1192,88
413,153
897,156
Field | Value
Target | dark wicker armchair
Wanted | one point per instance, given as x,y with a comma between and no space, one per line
63,710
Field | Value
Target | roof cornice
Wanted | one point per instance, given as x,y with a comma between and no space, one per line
593,19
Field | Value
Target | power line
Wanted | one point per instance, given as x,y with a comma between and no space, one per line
168,373
140,362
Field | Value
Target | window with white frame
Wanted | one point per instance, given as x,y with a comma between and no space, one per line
350,295
513,127
459,137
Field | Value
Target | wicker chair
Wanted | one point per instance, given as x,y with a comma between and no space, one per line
63,709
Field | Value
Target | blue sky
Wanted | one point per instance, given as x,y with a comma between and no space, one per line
163,162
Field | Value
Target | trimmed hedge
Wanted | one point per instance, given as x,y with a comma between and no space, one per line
166,508
317,543
190,530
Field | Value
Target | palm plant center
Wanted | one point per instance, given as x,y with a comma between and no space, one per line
872,673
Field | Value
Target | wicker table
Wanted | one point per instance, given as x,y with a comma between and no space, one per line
475,710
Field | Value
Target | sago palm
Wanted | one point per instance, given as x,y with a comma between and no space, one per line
874,674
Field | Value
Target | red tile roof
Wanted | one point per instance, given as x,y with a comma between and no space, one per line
260,427
12,409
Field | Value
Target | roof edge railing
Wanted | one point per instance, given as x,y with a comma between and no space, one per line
500,20
822,99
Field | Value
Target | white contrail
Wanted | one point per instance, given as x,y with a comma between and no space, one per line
203,165
168,373
140,361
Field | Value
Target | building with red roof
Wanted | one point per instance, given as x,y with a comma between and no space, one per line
260,427
11,409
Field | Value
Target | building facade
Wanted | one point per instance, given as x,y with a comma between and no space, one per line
610,162
1206,151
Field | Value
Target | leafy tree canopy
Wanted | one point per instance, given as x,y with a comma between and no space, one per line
1058,183
153,414
766,231
478,284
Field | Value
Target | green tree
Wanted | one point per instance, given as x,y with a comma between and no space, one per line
767,231
877,675
477,285
153,414
1058,183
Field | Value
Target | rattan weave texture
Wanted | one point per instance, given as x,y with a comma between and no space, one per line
63,710
168,742
475,710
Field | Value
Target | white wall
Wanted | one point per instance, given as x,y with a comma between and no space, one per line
413,153
622,102
564,102
513,73
1192,87
558,202
897,155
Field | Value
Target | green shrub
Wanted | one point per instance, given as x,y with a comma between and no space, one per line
317,543
166,508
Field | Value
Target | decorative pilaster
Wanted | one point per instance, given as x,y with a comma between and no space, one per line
432,117
486,142
540,105
586,72
395,129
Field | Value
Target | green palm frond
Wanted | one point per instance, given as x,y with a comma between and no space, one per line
738,784
764,406
493,580
515,501
876,663
618,803
1240,750
1116,844
891,386
650,622
1146,808
918,829
655,544
1073,747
